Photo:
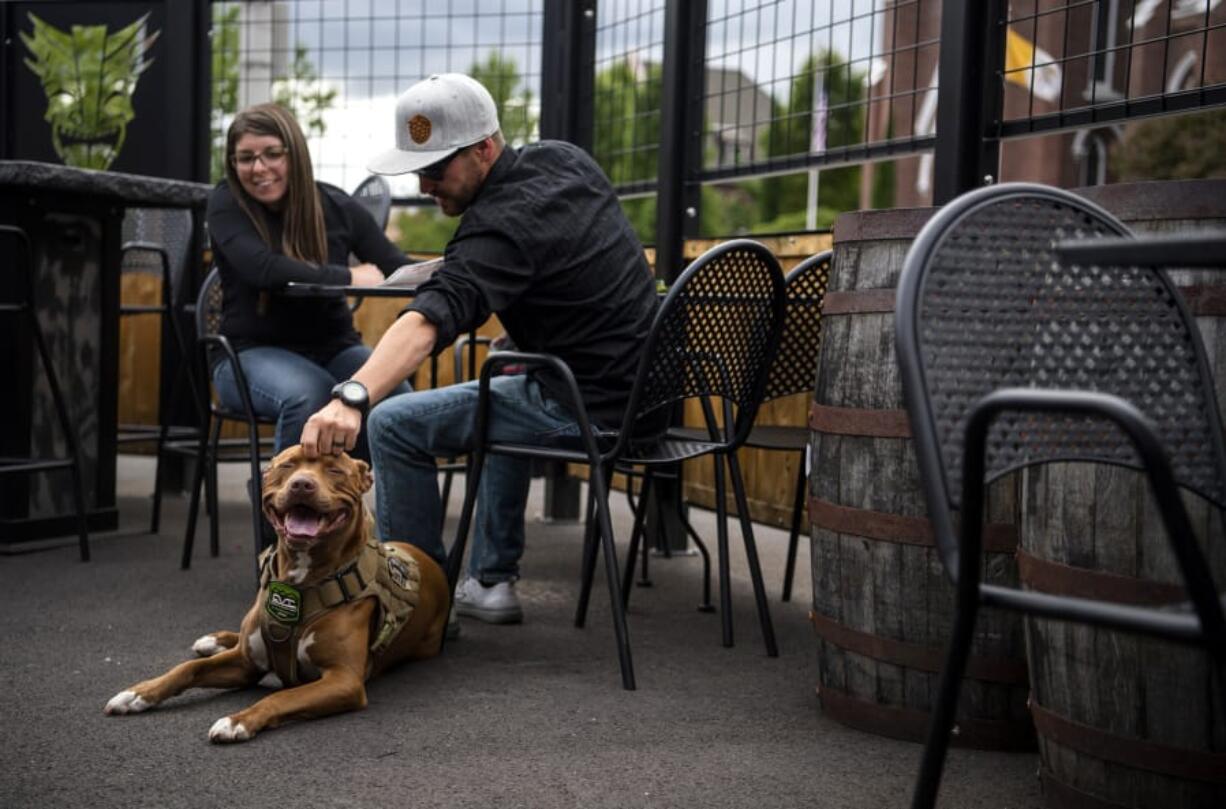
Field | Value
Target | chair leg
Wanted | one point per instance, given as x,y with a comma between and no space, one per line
455,557
798,505
193,509
942,721
706,605
751,558
605,528
636,536
721,532
588,569
446,495
210,489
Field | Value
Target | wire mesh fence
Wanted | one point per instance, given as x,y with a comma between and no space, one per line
339,65
786,88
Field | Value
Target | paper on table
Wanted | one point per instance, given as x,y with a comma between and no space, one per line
410,275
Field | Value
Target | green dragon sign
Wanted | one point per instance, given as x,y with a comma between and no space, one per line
89,76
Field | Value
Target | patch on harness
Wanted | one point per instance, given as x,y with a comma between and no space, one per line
398,569
284,602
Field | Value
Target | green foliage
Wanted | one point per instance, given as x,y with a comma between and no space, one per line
785,199
225,83
425,229
626,133
500,75
1181,147
303,94
88,76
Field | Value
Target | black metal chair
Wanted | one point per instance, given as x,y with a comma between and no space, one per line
1009,359
714,336
210,449
21,264
375,195
793,372
153,257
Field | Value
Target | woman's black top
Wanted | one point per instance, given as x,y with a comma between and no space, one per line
252,274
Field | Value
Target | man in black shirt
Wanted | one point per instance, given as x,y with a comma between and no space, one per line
543,244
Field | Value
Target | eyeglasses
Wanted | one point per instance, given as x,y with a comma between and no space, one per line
272,156
435,171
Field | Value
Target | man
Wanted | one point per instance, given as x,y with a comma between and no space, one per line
543,243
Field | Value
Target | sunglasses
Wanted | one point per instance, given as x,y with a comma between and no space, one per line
272,156
435,171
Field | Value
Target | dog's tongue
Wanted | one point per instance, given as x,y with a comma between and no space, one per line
301,521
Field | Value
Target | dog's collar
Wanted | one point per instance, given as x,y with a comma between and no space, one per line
343,586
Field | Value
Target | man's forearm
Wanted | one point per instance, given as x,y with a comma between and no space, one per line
403,347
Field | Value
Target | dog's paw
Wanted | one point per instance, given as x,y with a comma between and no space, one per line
127,702
225,731
207,646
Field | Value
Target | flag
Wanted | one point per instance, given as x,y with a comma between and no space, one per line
817,131
1031,67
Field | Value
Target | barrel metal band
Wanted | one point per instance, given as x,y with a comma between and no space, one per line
1179,762
859,302
899,529
911,725
915,655
1047,576
1059,795
1204,300
857,421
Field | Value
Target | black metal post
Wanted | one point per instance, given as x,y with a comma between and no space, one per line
568,59
680,154
967,154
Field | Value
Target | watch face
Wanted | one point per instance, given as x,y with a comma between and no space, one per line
353,391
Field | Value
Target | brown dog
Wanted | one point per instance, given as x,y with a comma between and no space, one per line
335,606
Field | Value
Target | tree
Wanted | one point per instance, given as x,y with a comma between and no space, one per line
626,135
304,94
1179,147
500,75
225,83
785,199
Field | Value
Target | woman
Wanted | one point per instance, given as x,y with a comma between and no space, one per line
270,223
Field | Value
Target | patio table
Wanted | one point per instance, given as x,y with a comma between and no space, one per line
74,220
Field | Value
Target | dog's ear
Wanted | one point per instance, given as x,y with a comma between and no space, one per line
367,479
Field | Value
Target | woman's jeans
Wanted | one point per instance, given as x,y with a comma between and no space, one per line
291,388
407,434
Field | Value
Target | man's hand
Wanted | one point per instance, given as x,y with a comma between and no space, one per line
332,430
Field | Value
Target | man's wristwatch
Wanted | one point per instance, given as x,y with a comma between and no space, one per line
353,394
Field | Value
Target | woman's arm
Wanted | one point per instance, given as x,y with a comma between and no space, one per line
234,236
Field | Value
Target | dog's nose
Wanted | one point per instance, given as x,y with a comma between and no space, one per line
302,484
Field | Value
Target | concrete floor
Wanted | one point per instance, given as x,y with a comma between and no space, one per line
515,716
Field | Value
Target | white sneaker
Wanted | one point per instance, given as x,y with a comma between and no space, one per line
496,604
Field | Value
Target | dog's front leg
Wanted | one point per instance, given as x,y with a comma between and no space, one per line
338,689
226,669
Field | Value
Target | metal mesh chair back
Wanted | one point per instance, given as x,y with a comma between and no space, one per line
795,364
715,335
375,195
984,304
209,304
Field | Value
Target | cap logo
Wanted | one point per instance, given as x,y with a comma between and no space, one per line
419,128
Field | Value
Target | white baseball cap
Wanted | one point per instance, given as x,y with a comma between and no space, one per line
434,118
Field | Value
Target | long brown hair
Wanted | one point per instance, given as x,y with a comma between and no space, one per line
303,235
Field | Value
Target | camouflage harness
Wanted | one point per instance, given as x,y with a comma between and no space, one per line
383,572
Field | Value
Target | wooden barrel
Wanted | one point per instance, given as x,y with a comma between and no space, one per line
1125,721
882,603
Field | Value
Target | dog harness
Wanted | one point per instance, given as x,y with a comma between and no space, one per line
383,572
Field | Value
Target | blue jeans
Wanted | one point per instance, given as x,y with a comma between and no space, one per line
290,388
407,434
